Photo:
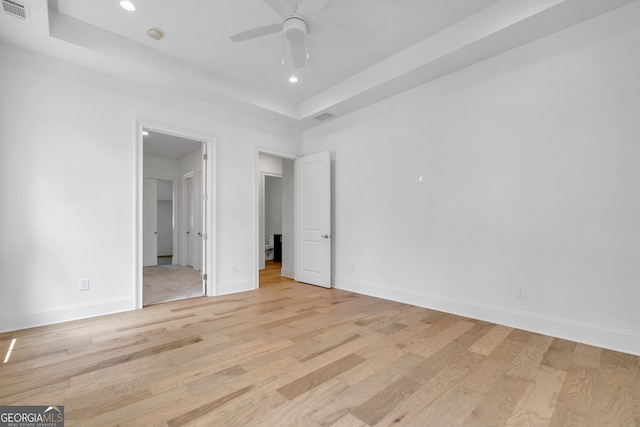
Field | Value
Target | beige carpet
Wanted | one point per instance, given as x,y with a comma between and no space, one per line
165,283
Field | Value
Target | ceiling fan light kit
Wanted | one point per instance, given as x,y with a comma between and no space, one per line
294,28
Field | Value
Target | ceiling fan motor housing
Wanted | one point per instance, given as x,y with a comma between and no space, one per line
294,28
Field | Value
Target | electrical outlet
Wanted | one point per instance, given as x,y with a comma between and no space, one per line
84,284
521,291
417,179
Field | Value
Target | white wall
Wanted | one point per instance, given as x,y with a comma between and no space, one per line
531,177
159,167
67,185
165,189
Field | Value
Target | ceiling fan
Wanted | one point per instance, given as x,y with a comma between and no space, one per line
294,28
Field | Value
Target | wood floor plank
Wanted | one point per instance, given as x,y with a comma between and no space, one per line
498,403
636,391
587,356
319,376
614,403
364,382
491,340
578,394
295,412
349,421
405,412
525,366
374,409
565,418
450,354
326,347
241,413
193,414
294,354
454,406
538,402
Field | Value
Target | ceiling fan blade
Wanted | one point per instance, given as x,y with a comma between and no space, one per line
299,53
313,8
282,7
314,27
256,32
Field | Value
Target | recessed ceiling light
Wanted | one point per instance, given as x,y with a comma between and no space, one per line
128,6
145,133
155,33
293,79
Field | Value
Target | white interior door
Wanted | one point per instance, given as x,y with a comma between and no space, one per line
199,205
150,222
313,219
192,224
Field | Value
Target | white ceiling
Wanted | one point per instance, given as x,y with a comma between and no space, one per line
355,35
166,146
362,51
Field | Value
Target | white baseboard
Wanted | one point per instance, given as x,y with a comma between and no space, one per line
601,336
66,313
225,288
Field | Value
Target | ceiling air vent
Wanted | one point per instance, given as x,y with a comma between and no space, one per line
324,116
15,9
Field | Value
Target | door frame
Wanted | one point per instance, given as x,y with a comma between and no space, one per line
209,247
258,242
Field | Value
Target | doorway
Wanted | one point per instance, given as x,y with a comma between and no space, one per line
307,238
176,217
275,225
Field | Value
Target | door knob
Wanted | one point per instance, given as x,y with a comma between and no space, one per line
326,236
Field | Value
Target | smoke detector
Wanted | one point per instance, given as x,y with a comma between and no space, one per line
155,33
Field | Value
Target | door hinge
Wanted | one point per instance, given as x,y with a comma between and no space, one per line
205,156
204,277
204,196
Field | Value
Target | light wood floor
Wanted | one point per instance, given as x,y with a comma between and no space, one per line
293,354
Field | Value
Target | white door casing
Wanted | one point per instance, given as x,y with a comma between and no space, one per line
207,214
313,219
150,222
202,223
